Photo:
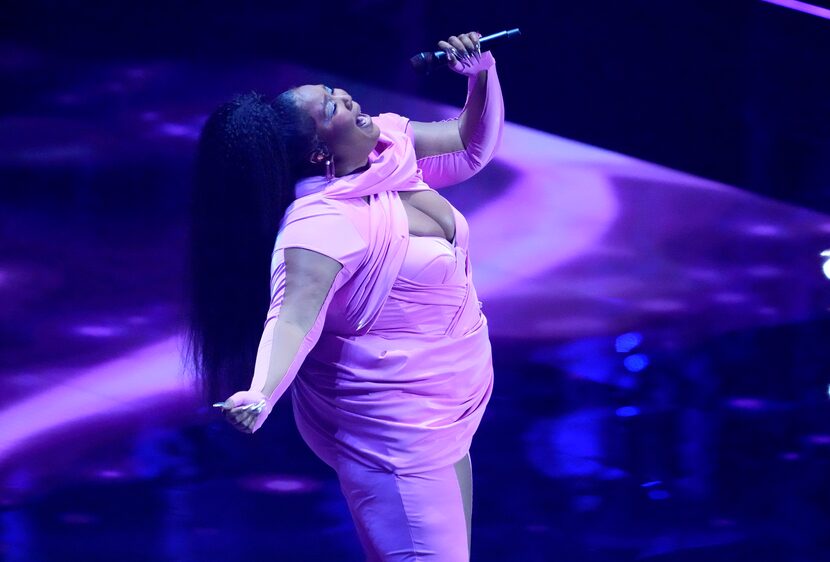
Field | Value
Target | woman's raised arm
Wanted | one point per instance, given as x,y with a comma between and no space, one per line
453,150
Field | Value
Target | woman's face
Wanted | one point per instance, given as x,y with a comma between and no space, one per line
349,134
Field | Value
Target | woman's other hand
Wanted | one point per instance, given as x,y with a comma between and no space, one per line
464,54
245,410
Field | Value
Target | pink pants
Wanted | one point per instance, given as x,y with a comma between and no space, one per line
413,517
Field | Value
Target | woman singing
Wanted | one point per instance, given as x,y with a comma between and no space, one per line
373,322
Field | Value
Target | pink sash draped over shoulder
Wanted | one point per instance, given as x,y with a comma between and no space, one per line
397,370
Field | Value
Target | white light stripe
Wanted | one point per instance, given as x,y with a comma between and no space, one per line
801,7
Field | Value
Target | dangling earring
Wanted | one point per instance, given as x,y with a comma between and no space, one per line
329,168
322,155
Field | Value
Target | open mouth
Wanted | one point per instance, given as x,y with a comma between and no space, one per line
363,120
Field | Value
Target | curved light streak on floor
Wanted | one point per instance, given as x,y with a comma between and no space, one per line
145,382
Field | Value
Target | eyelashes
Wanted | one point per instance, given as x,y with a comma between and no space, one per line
333,105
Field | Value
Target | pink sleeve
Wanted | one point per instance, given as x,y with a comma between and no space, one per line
321,228
441,170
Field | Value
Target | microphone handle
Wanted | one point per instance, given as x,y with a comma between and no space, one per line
427,61
486,43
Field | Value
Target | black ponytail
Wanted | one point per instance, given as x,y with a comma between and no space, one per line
250,154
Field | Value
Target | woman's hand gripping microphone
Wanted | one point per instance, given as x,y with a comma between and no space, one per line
464,54
245,410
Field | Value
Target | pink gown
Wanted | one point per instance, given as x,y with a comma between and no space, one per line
390,385
405,391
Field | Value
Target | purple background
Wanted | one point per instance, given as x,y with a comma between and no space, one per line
646,244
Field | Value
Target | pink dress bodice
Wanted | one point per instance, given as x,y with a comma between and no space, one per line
429,259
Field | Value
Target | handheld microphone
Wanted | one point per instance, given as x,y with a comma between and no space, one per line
427,61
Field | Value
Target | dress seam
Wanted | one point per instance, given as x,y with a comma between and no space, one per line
408,525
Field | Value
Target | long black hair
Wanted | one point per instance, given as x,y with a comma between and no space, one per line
250,154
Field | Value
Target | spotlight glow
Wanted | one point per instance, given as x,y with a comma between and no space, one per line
628,411
280,484
99,331
658,495
636,363
627,342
